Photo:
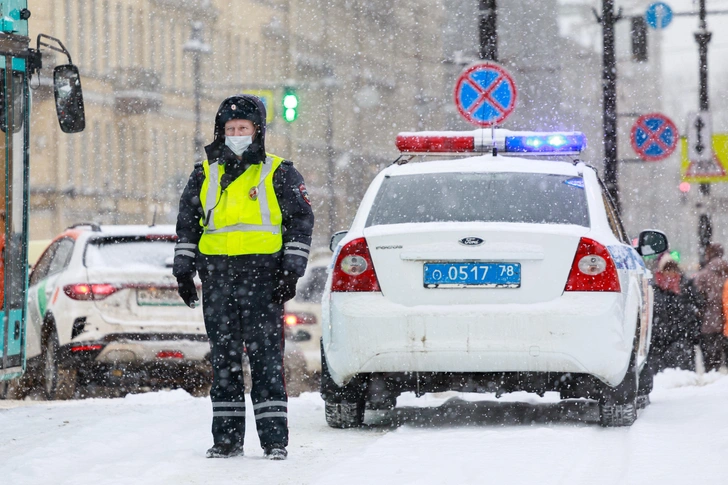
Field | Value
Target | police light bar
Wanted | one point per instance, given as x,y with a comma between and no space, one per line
485,140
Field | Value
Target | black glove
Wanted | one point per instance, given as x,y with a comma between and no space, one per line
286,288
187,291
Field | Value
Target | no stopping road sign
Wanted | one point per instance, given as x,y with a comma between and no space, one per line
485,94
654,137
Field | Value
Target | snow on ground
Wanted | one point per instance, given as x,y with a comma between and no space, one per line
454,438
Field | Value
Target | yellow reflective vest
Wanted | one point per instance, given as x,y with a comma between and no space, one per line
245,218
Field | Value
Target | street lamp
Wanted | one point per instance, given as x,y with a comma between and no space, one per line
196,46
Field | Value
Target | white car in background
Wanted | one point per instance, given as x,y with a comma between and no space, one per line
303,313
103,309
492,273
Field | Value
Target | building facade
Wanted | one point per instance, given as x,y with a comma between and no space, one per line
363,71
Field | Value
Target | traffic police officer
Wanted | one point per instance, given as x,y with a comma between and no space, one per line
244,225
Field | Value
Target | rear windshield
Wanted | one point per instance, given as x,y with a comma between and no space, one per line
487,197
130,253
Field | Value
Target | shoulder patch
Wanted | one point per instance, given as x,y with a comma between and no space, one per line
304,193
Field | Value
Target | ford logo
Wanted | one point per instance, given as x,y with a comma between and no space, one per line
471,241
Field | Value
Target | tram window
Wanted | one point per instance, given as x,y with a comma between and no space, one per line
18,105
44,264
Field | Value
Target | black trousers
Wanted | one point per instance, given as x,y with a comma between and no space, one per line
240,318
711,344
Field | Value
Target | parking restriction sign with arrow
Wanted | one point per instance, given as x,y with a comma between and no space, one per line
700,133
485,94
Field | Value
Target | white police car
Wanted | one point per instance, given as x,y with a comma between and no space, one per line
490,273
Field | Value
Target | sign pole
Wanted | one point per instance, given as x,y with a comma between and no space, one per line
702,37
609,93
488,31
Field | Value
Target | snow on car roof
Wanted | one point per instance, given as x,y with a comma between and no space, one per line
135,230
487,163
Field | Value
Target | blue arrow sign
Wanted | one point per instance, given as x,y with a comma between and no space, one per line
658,15
485,94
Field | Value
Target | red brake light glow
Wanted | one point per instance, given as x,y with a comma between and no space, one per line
170,354
354,270
86,348
84,291
293,319
593,269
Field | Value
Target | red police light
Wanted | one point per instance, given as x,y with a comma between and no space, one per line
411,143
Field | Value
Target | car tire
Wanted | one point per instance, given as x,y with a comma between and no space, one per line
55,382
646,382
345,414
618,405
344,405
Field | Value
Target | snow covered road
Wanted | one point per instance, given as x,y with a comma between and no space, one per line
161,438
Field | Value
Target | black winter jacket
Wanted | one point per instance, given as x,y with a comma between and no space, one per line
295,206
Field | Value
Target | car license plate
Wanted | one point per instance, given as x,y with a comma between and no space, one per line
472,275
158,297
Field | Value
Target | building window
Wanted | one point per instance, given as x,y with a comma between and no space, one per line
172,54
93,61
109,158
132,37
119,36
96,157
122,159
68,15
71,161
107,38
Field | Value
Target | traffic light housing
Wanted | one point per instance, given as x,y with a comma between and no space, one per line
290,105
639,39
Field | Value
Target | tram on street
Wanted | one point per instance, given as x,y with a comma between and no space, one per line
19,63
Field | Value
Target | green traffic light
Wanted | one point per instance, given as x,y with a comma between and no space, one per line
290,106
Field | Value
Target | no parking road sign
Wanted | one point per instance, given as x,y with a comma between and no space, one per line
654,137
485,94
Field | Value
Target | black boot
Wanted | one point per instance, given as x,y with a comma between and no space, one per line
276,452
225,450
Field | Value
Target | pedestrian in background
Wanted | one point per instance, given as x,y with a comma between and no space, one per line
676,320
244,224
709,281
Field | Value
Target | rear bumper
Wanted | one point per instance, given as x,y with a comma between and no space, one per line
140,359
138,348
585,333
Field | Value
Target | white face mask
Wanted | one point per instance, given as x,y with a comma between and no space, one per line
238,144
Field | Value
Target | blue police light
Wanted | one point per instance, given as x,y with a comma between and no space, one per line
545,143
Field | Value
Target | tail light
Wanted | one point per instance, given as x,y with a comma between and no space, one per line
354,270
84,291
170,354
593,269
294,319
86,347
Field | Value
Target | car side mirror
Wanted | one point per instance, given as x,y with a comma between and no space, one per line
69,98
651,242
336,239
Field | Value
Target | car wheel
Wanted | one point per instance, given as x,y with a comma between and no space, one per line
615,415
345,414
646,383
344,405
618,405
55,382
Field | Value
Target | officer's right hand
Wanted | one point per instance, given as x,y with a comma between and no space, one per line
187,291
